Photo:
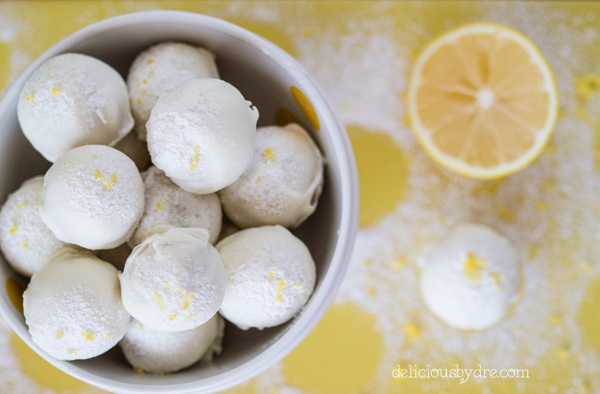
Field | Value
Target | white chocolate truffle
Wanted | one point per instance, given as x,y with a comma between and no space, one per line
202,135
73,100
135,149
470,279
283,182
270,276
168,204
160,69
162,352
26,242
93,196
174,280
73,307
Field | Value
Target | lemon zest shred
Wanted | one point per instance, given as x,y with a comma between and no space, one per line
473,267
89,336
106,183
195,158
159,301
281,285
269,155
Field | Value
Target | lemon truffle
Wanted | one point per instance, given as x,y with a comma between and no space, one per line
93,196
73,307
160,69
163,352
168,204
174,280
283,182
26,242
73,100
202,135
470,279
270,276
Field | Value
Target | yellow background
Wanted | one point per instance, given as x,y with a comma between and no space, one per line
344,353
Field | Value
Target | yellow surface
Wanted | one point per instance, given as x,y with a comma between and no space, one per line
306,107
43,372
353,345
382,171
15,293
589,316
344,353
482,100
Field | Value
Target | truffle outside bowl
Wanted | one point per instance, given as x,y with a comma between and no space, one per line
279,86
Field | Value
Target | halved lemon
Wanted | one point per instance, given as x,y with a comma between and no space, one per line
482,100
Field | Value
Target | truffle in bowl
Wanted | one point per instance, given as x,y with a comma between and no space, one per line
276,84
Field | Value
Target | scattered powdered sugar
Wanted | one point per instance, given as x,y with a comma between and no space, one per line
548,211
363,75
8,28
12,378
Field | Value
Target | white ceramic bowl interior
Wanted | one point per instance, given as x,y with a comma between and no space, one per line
264,74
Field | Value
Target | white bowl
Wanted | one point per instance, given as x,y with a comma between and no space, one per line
264,74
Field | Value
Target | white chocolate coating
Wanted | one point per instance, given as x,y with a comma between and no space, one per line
162,352
202,135
174,280
168,204
73,307
93,196
270,276
281,185
135,149
73,100
160,69
470,279
26,242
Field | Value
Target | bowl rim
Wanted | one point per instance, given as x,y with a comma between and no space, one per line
346,232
